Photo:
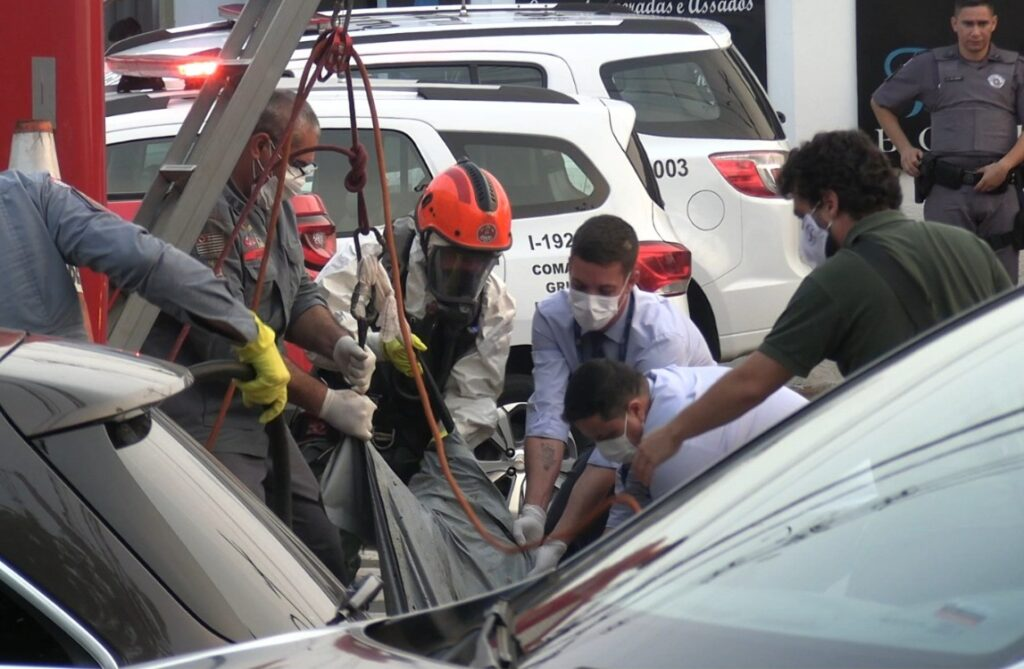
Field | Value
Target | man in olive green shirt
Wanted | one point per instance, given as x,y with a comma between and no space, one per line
850,309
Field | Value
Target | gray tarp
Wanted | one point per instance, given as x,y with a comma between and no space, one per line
430,553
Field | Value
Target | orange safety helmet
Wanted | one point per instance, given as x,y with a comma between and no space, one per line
467,207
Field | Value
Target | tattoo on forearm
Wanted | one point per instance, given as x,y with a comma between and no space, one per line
547,452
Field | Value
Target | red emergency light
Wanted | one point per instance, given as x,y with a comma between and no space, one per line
194,69
200,69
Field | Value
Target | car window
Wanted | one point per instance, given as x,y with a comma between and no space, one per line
519,75
28,637
217,548
463,73
132,166
407,175
446,74
543,176
883,529
700,94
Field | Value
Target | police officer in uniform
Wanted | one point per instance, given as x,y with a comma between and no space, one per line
975,94
46,225
296,311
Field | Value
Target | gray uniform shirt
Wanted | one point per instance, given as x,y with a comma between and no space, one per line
975,107
287,293
46,225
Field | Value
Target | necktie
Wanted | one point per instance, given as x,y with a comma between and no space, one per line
595,345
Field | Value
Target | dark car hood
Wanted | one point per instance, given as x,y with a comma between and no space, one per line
49,384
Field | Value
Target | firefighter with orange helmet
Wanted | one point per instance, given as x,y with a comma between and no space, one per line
460,312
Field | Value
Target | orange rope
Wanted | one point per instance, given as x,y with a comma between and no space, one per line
331,55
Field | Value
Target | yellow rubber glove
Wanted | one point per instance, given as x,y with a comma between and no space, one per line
394,351
270,387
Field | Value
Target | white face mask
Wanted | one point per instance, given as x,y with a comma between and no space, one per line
813,240
593,312
618,449
296,180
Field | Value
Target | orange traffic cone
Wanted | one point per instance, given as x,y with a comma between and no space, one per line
33,148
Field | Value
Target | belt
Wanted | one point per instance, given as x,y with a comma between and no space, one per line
954,176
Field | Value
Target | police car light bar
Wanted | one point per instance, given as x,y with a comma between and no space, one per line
755,173
196,66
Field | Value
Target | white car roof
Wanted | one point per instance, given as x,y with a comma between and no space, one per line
452,22
510,109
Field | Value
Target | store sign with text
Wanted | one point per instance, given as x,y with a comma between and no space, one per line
744,19
891,33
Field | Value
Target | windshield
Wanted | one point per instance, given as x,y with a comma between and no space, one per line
699,94
882,528
216,548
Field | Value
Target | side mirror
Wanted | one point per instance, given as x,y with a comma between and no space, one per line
782,117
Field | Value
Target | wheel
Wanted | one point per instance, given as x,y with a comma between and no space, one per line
503,456
704,319
518,388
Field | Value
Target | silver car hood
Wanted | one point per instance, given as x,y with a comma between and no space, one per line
345,646
49,384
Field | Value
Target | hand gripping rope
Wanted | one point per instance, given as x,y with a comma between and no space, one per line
333,55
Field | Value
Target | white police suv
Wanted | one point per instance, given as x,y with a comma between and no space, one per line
561,159
714,141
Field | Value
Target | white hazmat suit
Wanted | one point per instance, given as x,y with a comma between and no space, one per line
477,378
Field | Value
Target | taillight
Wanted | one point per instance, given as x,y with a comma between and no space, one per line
318,243
754,173
317,232
663,268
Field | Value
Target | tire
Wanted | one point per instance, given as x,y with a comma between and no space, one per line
518,388
704,318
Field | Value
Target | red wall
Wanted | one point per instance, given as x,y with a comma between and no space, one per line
71,32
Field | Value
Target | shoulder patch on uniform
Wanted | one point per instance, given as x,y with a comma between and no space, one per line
210,245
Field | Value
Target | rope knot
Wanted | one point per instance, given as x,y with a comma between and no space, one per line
355,180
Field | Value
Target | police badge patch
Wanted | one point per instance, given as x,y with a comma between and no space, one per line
996,80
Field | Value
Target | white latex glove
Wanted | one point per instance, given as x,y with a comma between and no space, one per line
547,556
349,413
528,528
355,362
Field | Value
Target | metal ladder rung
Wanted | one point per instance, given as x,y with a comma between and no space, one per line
234,67
177,175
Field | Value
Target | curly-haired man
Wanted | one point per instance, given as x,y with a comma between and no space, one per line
890,279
